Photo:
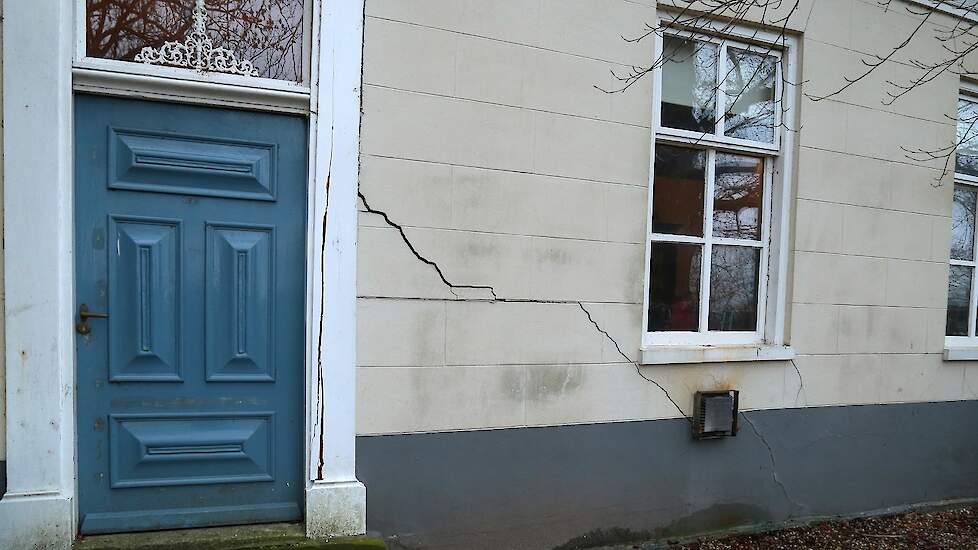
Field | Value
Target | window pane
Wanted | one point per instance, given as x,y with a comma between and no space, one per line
749,89
958,300
967,154
266,32
678,189
963,223
969,5
737,196
674,296
733,288
689,82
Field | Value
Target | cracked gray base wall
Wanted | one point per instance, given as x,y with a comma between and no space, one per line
537,488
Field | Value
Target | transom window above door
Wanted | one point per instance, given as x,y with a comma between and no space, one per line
251,38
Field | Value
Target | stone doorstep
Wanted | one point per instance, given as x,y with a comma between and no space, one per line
279,536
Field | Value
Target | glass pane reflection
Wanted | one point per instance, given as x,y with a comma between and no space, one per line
966,157
674,293
750,86
958,300
678,190
963,223
733,288
737,197
689,82
269,33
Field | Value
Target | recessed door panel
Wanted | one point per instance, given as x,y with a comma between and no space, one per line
240,303
202,449
171,162
190,261
144,294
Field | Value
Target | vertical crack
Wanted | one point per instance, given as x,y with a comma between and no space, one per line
801,382
320,386
774,462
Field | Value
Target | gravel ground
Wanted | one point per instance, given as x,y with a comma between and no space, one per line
947,529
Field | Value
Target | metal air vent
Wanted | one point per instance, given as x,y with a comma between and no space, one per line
715,414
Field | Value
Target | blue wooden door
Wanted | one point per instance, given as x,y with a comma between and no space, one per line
190,237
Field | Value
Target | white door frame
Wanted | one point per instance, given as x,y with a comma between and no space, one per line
39,509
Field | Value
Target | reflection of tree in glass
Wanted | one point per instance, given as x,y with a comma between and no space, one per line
266,32
750,95
738,192
966,159
963,223
733,288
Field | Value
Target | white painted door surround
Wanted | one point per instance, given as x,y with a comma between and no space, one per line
41,68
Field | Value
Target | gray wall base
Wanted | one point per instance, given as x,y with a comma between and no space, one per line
571,487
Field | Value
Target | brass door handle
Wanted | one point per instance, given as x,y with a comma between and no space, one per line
84,314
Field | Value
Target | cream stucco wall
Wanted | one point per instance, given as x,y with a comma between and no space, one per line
485,138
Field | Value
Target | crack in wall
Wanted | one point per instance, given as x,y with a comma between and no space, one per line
774,462
594,323
495,298
638,367
801,382
320,424
451,286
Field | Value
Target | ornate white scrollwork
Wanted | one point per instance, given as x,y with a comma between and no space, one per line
197,51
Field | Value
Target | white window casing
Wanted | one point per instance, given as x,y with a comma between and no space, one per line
964,347
767,342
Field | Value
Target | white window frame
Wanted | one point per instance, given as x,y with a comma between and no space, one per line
942,6
768,341
129,78
966,347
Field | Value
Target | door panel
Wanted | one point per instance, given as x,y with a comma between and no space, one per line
190,236
240,303
144,290
162,450
191,165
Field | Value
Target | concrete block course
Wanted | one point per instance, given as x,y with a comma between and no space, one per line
455,490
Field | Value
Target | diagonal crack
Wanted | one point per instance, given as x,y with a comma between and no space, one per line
774,462
638,367
451,286
495,298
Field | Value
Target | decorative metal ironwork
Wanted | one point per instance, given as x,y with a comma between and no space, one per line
197,51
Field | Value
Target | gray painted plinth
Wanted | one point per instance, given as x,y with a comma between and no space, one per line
540,488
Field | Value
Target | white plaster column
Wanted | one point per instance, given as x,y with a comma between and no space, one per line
335,499
38,508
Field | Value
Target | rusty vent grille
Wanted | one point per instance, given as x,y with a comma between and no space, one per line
715,414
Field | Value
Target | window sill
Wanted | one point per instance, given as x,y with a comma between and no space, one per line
961,354
674,355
